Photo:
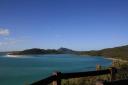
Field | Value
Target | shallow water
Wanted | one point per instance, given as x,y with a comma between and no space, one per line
21,70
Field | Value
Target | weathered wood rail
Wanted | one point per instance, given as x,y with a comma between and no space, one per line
56,78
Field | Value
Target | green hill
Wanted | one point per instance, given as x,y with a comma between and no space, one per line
43,51
116,52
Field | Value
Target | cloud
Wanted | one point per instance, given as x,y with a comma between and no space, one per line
7,43
10,42
4,32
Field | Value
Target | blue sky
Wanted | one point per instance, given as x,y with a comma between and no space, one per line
75,24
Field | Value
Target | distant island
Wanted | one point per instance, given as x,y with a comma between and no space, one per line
43,51
116,52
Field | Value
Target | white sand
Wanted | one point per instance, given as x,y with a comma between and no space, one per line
115,59
12,55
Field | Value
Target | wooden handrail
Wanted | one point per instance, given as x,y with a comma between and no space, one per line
57,76
45,81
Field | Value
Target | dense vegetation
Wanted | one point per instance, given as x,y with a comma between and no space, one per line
117,52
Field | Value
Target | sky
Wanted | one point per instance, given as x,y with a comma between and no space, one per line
74,24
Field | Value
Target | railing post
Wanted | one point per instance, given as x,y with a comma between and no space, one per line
98,67
113,72
99,81
57,81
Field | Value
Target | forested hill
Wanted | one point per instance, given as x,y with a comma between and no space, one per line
116,52
43,51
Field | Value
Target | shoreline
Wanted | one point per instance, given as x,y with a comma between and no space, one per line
115,59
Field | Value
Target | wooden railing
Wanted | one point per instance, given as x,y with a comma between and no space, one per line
56,78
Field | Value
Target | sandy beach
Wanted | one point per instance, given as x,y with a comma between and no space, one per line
115,59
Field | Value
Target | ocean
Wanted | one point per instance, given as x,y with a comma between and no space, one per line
22,70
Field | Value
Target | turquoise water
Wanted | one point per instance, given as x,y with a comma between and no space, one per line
21,70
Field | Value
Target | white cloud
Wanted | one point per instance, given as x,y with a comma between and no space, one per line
4,32
10,42
7,43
